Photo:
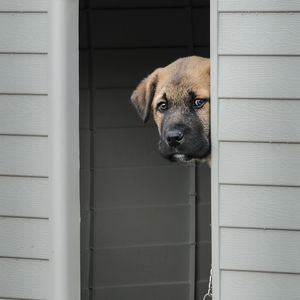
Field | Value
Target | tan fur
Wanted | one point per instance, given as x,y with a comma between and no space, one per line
175,81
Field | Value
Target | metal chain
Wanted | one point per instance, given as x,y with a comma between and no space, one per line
209,291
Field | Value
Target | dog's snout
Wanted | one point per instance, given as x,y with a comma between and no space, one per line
174,137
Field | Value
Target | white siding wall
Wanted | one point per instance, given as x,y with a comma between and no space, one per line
24,188
256,149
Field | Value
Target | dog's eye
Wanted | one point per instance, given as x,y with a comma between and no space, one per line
198,103
162,106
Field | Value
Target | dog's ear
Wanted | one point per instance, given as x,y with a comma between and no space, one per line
143,95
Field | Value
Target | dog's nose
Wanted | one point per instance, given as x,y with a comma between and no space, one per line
174,137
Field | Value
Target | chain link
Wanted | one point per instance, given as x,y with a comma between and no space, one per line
209,291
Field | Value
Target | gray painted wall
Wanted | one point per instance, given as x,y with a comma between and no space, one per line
137,211
24,203
256,167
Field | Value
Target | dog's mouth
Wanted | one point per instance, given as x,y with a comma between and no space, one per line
179,157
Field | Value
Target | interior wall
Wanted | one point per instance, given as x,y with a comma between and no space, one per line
136,208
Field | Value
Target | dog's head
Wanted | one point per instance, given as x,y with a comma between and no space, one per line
178,95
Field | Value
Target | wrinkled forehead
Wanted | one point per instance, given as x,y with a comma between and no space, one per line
182,77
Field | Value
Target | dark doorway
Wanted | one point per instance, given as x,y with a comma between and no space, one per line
145,231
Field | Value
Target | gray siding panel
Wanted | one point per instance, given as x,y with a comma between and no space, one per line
146,265
24,5
22,155
141,186
23,32
258,5
23,73
259,163
260,250
259,120
157,292
23,114
24,279
113,108
260,206
266,33
262,286
115,227
128,34
29,238
127,147
127,67
25,197
253,76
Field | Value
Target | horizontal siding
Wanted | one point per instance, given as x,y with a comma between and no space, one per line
260,250
114,109
266,33
29,238
259,120
20,155
137,146
23,114
259,163
121,72
141,266
260,206
161,33
128,34
24,5
23,32
177,291
254,76
131,182
115,227
24,279
258,5
262,286
25,197
145,3
23,73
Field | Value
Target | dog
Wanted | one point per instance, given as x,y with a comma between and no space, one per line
178,95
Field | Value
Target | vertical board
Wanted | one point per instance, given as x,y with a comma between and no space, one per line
255,137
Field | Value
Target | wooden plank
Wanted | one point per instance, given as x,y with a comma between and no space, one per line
85,146
201,32
151,265
259,76
24,32
23,114
259,163
127,67
260,206
113,108
84,69
84,110
174,291
23,73
141,226
260,250
127,147
24,279
29,238
263,286
266,33
22,155
259,120
258,5
204,222
136,3
142,186
23,6
27,197
133,30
